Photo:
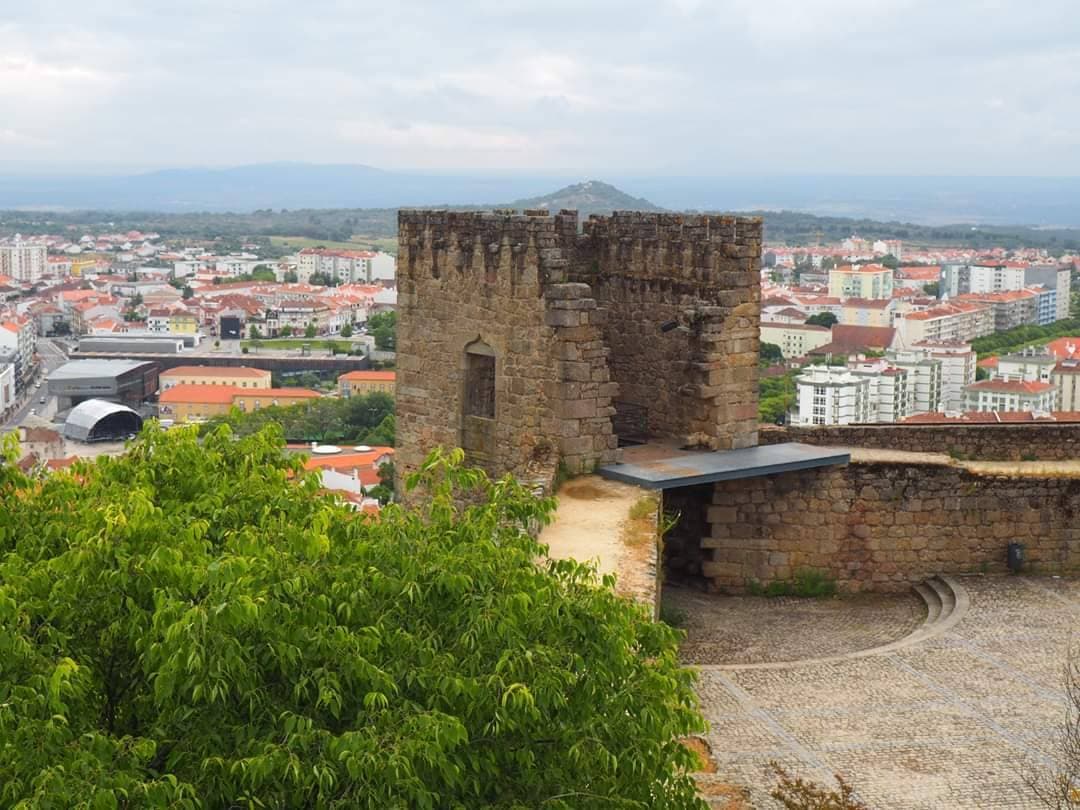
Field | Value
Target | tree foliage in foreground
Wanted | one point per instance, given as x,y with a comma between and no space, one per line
195,625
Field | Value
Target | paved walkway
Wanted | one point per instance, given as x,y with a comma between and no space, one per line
944,723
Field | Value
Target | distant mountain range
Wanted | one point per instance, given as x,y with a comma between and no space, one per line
1034,201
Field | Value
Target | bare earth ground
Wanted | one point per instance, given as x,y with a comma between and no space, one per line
945,723
593,522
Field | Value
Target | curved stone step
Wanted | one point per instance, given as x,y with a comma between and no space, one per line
946,594
933,603
946,602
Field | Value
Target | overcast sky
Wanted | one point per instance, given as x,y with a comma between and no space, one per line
729,86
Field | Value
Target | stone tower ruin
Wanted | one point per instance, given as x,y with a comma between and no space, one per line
529,343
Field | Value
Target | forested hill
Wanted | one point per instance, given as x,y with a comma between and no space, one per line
590,197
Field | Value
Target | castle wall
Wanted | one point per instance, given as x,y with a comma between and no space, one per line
697,386
498,282
883,526
1042,441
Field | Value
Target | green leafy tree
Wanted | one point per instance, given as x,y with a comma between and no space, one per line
285,331
827,319
932,288
204,633
309,331
187,292
346,331
290,277
263,272
383,327
254,333
771,353
890,261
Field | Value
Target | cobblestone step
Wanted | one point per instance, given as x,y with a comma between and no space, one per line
933,603
946,603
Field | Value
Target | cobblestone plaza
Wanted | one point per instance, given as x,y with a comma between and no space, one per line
941,721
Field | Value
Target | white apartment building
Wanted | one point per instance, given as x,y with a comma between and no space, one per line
347,266
795,340
832,396
958,367
951,322
1026,366
890,393
1010,395
23,261
924,379
18,337
1066,377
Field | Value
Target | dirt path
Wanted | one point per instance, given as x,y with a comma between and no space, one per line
609,523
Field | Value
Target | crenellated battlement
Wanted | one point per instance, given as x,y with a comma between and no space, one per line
714,252
534,242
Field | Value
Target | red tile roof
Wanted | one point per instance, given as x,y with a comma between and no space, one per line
202,394
377,376
1010,386
849,339
216,371
991,417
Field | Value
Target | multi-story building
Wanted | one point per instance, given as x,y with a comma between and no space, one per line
924,374
18,337
1030,365
981,279
1055,277
893,247
366,382
236,377
23,261
951,322
1008,309
7,386
890,394
297,316
346,266
1010,395
958,368
861,281
795,339
960,279
868,312
832,396
1066,377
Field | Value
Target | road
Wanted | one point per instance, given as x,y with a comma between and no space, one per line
52,357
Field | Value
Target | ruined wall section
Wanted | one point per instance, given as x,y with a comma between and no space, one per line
885,526
698,386
498,280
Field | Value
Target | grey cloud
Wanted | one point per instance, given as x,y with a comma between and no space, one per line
874,86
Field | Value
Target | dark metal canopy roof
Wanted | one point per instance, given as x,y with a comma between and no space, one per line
660,467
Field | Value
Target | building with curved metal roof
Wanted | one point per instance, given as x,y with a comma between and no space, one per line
97,420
